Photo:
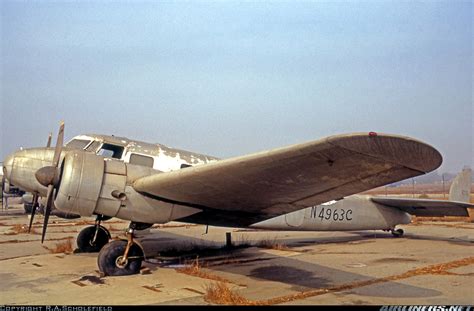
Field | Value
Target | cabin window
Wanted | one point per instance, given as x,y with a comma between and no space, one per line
111,151
78,143
94,146
142,160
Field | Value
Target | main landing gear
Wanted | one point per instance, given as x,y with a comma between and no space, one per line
121,257
91,239
397,233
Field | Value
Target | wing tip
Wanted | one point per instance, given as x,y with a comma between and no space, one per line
402,150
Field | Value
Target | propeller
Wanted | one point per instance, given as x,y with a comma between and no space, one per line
35,195
33,210
3,190
48,144
48,176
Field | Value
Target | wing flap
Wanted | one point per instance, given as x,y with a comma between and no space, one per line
426,207
290,178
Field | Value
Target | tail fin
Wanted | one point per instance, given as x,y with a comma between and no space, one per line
461,187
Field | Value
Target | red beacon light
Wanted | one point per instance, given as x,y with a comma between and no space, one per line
372,134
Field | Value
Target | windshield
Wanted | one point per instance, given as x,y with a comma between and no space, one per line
78,143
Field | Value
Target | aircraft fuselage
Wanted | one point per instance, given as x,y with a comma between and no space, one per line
127,160
356,212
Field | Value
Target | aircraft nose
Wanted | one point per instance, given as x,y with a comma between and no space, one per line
20,168
8,166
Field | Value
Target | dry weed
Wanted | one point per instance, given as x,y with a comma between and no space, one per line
243,241
83,222
437,269
272,244
220,293
19,228
195,269
61,247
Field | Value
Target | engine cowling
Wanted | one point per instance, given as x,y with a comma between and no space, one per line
87,183
91,184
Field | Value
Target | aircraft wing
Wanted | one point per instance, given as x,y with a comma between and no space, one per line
426,207
280,181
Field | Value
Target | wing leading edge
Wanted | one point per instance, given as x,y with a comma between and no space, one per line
283,180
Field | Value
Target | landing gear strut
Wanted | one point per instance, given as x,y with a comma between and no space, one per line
122,257
397,233
91,239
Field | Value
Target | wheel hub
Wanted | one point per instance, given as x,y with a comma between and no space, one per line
120,262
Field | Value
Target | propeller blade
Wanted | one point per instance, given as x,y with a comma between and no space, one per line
33,210
3,190
59,145
48,144
47,210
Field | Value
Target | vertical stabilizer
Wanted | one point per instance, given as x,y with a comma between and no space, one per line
461,187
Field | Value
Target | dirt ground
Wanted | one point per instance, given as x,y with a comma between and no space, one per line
432,264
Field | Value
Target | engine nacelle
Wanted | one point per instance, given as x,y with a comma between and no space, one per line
81,183
91,184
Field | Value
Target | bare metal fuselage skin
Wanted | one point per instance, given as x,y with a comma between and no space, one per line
88,182
356,212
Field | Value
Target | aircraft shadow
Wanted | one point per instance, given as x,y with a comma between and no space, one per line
299,275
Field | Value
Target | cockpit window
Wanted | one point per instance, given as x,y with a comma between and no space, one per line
94,146
111,151
78,143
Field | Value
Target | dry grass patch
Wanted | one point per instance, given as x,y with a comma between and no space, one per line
273,244
61,247
437,269
243,241
19,228
220,293
195,269
83,222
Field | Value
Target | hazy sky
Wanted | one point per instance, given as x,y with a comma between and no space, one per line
230,78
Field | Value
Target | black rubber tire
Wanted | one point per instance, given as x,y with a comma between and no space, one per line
87,234
398,233
28,207
109,254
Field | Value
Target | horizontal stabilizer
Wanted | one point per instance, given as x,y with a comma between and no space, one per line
461,186
426,207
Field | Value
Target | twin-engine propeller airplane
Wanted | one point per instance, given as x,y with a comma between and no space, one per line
145,183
